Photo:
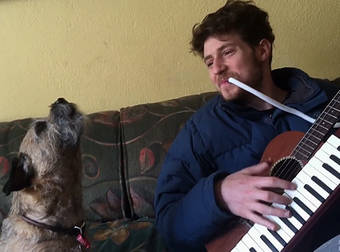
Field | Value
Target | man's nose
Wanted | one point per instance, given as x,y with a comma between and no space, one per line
219,66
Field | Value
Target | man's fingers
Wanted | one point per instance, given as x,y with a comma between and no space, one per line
264,209
273,182
261,169
272,197
256,218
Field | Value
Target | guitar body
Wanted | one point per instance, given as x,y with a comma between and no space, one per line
227,241
280,147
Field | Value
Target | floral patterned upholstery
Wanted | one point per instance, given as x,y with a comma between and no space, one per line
122,153
102,187
125,235
148,131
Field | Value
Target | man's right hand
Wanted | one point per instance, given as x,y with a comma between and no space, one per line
249,194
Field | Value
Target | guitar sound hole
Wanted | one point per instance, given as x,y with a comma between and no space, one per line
286,168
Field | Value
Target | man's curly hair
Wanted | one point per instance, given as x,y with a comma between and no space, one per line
241,17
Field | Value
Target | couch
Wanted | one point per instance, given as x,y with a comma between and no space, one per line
122,153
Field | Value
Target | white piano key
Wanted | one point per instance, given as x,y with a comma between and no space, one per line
284,231
304,192
250,242
317,164
298,194
242,244
241,247
292,219
300,212
237,249
255,235
311,171
307,180
263,230
334,140
324,157
330,149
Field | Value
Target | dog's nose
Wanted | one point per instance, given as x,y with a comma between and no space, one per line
61,100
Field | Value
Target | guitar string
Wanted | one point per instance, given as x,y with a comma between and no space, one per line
325,113
288,162
287,109
287,173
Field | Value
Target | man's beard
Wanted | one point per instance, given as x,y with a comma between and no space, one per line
255,81
245,96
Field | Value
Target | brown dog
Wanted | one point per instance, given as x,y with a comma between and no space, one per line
46,212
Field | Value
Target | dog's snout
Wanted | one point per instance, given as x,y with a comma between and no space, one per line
61,108
61,100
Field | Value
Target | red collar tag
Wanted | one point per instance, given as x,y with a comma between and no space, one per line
83,241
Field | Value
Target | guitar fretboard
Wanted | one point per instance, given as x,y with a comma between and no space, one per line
316,134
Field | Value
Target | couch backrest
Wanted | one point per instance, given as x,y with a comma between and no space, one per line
147,132
101,158
122,152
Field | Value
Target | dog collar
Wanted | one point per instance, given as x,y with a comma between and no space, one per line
74,231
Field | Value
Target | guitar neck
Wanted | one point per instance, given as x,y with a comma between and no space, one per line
316,134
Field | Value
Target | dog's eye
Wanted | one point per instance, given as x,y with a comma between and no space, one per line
39,127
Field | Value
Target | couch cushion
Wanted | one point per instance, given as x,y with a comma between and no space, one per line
100,146
148,131
124,235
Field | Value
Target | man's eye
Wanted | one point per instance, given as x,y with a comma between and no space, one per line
209,64
228,52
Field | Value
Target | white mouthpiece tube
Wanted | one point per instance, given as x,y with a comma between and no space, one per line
270,100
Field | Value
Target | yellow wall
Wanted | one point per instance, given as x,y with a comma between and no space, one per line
107,54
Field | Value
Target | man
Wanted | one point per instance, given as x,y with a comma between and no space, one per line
213,172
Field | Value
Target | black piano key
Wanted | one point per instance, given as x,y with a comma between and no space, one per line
289,224
296,215
314,193
303,206
278,237
335,159
268,243
252,249
331,170
322,184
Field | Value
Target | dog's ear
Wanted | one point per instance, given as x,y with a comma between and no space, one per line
39,127
21,174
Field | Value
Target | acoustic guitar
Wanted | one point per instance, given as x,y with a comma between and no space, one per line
312,161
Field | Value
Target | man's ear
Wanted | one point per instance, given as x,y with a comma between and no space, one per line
264,50
21,174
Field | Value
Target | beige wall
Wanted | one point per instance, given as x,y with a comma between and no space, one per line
107,54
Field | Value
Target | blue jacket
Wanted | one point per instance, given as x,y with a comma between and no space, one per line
220,139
